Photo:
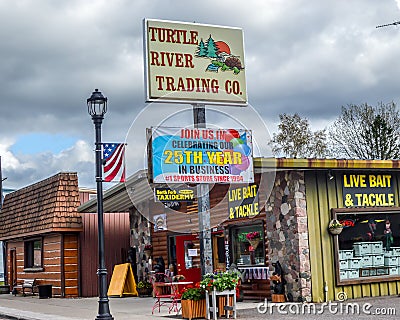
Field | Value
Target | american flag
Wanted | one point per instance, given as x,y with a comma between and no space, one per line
113,161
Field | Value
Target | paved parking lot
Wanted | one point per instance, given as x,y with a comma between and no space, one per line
33,308
367,308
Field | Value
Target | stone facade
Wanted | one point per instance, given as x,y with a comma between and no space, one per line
140,236
287,233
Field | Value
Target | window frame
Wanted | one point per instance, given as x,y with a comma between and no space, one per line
359,280
29,255
233,258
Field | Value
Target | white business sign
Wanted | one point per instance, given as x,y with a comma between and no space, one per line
194,63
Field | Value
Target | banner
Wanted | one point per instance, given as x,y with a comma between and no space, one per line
182,155
190,62
114,162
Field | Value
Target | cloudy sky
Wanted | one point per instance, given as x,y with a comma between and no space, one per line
304,56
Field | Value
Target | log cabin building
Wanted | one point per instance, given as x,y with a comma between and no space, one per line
48,240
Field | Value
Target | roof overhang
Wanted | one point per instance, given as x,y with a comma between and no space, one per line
268,164
122,196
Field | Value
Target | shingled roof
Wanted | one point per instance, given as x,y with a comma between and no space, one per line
46,206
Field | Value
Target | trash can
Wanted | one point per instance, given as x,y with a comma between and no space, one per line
45,291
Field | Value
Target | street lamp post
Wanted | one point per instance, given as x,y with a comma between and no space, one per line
97,107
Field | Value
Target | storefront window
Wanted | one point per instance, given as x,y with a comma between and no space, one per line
248,245
368,248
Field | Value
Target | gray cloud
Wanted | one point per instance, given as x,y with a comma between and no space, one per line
305,56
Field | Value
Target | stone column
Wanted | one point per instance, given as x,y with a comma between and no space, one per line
287,233
140,236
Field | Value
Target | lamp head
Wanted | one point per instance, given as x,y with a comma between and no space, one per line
97,104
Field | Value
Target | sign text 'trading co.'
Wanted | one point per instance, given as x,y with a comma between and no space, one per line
368,190
194,63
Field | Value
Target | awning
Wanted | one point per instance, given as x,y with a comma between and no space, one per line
123,196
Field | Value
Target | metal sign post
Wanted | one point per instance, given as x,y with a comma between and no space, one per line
178,58
206,263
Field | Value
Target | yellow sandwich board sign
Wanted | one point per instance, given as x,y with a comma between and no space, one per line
122,281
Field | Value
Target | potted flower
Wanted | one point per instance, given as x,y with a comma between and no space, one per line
193,302
144,288
254,239
221,281
221,284
335,227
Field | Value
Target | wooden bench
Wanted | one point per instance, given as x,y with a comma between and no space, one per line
25,284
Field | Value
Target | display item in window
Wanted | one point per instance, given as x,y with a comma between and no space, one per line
254,239
372,229
388,235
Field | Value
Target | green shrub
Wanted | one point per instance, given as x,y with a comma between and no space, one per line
144,284
220,280
193,294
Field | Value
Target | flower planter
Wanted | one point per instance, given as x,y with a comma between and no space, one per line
335,231
222,303
254,243
335,227
278,297
145,292
193,309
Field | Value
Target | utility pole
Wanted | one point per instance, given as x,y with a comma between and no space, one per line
206,263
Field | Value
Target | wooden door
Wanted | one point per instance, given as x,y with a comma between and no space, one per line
13,267
219,261
188,257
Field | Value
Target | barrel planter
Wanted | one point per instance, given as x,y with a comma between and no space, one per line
193,309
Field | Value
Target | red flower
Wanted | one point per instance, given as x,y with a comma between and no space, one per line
253,235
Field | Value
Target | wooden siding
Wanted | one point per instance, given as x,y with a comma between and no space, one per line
160,246
322,195
116,236
53,272
70,266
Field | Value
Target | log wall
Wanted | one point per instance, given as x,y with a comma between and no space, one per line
60,263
